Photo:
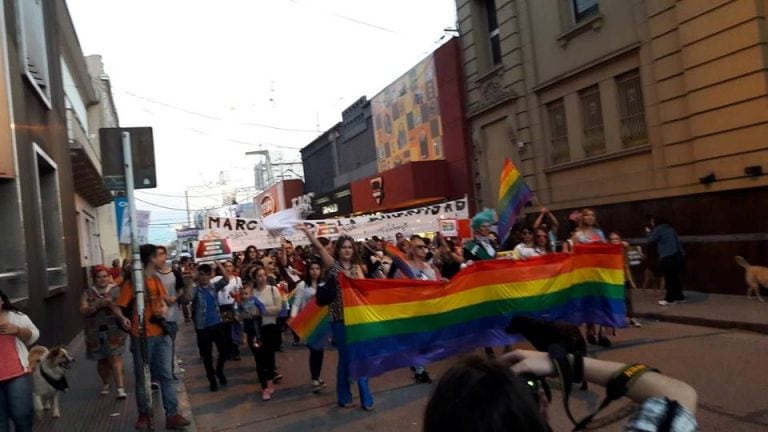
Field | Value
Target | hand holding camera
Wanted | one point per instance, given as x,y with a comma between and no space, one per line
525,362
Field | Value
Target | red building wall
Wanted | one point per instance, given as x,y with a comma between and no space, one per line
456,138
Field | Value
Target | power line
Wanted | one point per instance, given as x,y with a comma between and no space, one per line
354,20
184,209
210,117
199,196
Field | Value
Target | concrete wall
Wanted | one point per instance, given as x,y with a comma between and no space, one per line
702,67
36,124
103,114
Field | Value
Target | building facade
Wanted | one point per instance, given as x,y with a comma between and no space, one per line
50,182
633,108
406,147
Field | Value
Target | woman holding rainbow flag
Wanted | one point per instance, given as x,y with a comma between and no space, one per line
343,261
305,293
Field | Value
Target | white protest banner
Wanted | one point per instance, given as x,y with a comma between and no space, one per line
142,222
245,232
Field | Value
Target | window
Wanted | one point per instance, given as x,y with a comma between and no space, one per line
493,32
50,218
72,95
592,117
583,9
558,127
631,109
90,247
13,265
33,48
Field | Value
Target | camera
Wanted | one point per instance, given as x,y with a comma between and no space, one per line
160,322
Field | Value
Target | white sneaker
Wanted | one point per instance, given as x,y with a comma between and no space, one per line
634,323
317,385
665,303
105,389
121,394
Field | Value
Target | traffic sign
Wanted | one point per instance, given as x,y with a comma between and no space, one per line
142,151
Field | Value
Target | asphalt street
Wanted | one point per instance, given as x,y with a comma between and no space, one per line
727,368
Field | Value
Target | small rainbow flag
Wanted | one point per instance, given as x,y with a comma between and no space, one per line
392,324
514,193
399,260
312,324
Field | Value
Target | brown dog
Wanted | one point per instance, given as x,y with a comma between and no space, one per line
49,369
755,275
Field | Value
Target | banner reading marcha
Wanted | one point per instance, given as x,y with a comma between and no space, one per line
392,324
244,232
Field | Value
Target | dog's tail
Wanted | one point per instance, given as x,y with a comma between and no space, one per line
36,355
742,262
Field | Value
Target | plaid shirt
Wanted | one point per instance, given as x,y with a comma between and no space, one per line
653,414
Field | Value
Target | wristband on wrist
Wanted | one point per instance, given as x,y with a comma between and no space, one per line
617,387
620,383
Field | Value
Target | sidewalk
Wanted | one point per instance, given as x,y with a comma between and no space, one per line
704,309
84,409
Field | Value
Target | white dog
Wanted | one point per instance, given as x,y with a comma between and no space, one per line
48,377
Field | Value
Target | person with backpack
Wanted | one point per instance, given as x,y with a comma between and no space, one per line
174,284
158,341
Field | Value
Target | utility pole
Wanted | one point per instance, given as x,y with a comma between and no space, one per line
189,215
138,271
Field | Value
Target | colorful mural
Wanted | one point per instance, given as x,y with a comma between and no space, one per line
406,118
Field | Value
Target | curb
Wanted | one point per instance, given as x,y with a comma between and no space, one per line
706,322
185,408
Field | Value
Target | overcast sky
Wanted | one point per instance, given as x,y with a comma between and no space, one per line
209,77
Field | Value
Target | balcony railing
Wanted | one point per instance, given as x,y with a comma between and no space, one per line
78,138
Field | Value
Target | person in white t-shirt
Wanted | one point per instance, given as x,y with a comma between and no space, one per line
527,248
227,309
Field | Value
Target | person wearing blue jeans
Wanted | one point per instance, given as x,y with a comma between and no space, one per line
17,332
16,404
159,348
344,260
159,356
343,392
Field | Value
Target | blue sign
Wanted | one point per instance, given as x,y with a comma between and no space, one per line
121,206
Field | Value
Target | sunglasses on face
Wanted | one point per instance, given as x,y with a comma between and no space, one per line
421,247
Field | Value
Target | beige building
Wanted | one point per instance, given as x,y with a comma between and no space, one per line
632,107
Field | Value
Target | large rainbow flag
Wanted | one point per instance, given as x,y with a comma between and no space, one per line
392,324
514,193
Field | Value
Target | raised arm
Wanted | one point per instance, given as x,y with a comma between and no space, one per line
324,255
284,256
553,219
225,277
540,218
